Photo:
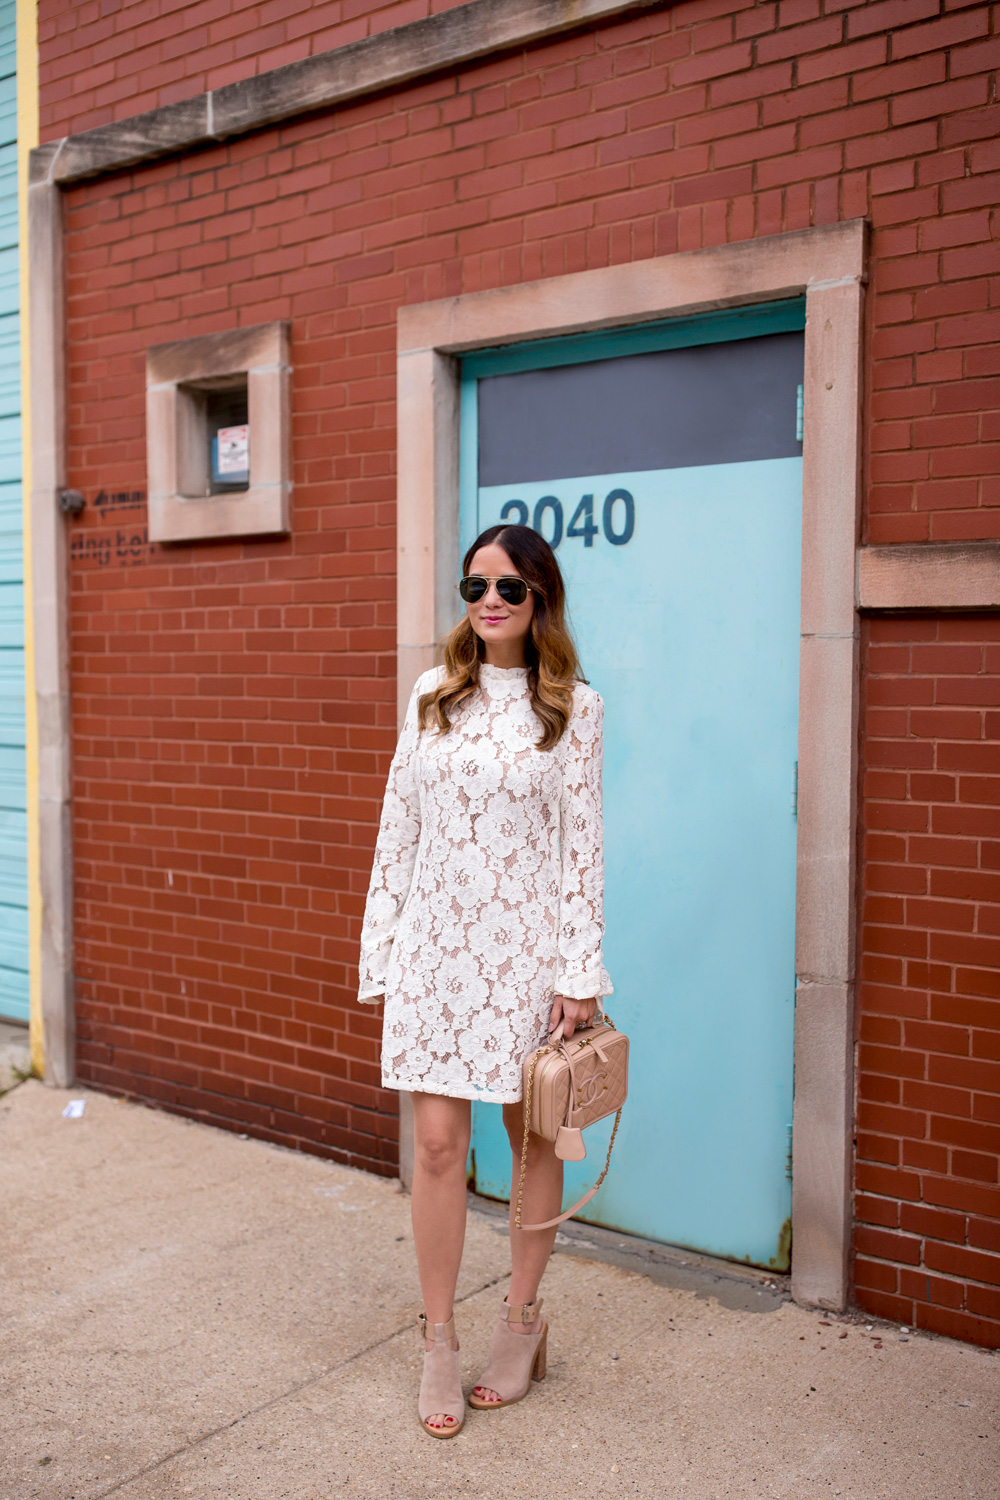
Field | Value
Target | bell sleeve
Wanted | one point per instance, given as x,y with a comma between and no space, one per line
395,857
580,971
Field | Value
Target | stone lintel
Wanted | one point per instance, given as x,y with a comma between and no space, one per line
375,64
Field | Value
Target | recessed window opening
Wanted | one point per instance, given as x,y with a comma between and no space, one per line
213,437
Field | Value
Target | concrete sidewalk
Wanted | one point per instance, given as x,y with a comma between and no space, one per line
189,1313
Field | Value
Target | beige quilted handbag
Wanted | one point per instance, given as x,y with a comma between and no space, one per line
569,1085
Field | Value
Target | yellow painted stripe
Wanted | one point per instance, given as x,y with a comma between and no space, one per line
27,137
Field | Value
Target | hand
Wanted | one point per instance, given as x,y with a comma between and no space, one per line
572,1013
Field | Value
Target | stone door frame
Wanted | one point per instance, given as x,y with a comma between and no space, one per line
826,266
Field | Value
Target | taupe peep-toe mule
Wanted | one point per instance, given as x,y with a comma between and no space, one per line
516,1359
441,1385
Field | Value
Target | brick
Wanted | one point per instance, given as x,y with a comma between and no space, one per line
796,12
712,186
881,1211
872,1177
850,59
862,120
710,65
960,1069
888,15
717,124
976,58
895,1309
873,1275
935,1223
966,1198
925,1157
887,1246
922,104
982,1302
898,208
754,23
968,1135
965,229
956,1260
958,1325
760,144
984,1234
794,41
949,31
938,1291
978,1166
755,84
800,103
970,193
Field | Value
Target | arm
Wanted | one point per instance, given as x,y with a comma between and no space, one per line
395,857
580,971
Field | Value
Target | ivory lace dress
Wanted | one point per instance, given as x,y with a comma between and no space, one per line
487,890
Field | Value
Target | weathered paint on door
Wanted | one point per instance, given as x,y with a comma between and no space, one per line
13,805
683,581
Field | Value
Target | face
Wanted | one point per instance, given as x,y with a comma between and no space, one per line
499,624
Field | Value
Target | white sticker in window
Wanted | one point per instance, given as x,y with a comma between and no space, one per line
234,450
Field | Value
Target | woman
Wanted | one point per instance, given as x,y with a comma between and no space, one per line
483,928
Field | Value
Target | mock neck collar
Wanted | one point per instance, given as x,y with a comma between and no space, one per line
490,673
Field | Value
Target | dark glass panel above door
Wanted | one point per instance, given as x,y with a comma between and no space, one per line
712,403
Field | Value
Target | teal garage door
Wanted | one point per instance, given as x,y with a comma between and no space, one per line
665,466
13,805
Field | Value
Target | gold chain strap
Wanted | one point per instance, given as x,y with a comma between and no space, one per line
611,1144
527,1131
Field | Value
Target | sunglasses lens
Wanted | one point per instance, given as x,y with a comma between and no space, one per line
512,590
472,589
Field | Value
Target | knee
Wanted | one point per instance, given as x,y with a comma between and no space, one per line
440,1155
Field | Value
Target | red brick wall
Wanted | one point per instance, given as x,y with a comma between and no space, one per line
928,1189
102,60
234,704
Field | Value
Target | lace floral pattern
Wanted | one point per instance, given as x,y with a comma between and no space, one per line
487,890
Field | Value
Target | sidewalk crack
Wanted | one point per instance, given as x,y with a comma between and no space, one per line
292,1390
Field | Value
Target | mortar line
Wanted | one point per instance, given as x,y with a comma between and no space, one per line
281,1396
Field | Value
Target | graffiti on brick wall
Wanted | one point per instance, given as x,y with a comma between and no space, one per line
102,548
125,546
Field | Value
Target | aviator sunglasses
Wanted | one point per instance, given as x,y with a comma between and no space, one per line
511,590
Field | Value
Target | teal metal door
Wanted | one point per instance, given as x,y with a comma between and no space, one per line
13,814
683,583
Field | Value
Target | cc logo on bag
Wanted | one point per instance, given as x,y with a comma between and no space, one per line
591,1089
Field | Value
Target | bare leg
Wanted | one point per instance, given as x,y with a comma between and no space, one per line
530,1248
441,1130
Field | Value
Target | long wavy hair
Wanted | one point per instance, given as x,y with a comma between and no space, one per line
550,655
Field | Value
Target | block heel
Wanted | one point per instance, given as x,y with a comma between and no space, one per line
538,1369
516,1359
